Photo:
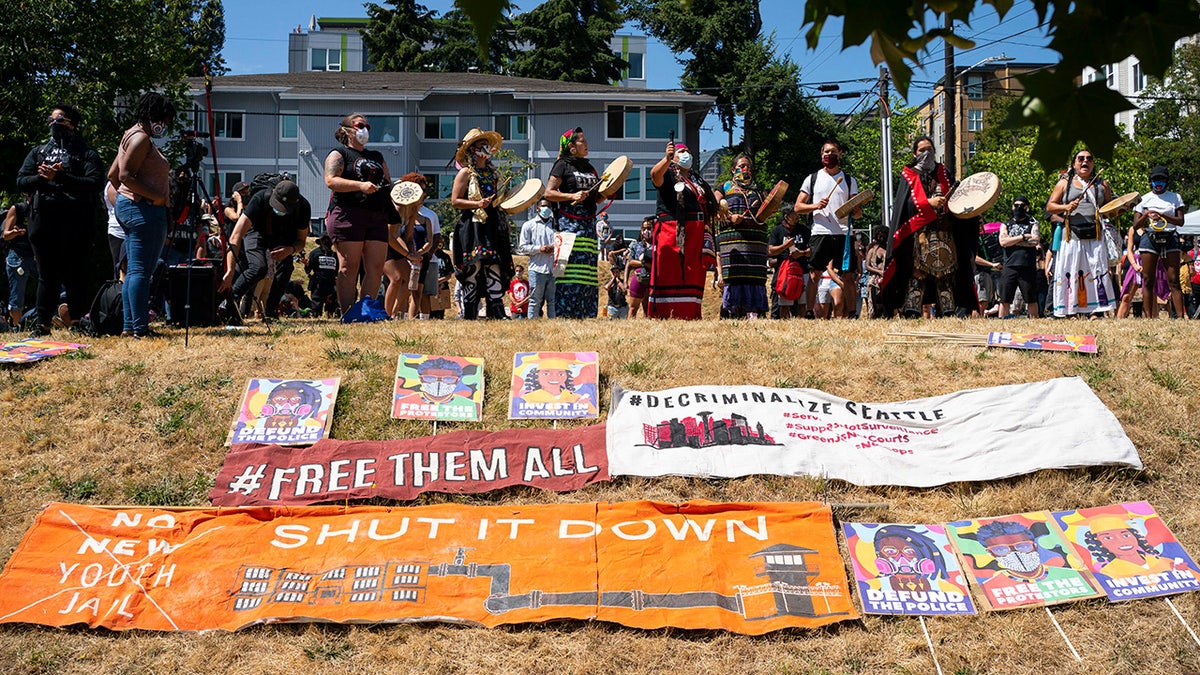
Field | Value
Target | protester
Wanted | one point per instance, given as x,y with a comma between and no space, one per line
359,209
537,242
682,238
618,306
518,292
142,176
989,266
637,275
445,270
1082,284
321,267
115,233
20,264
483,262
1162,213
571,187
1020,237
831,291
788,250
62,177
821,194
603,234
875,263
274,226
742,241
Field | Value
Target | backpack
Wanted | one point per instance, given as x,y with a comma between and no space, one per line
106,316
266,181
789,283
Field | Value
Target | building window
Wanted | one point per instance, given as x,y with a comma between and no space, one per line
630,121
440,185
326,59
1139,78
972,149
289,127
637,66
975,87
513,127
661,122
440,127
632,189
975,120
385,128
1110,76
228,180
228,125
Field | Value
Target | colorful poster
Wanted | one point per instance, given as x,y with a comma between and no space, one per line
1020,561
457,462
906,570
1130,550
563,243
28,351
443,388
284,412
763,567
979,434
1084,344
555,385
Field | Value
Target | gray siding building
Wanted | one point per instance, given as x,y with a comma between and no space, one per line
285,122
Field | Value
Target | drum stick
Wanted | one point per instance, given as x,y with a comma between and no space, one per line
835,187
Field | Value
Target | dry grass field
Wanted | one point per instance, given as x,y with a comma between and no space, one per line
143,422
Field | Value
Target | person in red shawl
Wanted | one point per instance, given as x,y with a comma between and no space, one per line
682,237
930,253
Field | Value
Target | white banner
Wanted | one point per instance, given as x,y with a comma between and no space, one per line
979,434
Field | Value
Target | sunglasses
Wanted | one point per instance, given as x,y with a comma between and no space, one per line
1084,158
447,379
1001,550
362,125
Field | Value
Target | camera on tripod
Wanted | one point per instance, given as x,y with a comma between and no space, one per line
194,150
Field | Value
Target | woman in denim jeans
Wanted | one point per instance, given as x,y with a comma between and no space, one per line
141,174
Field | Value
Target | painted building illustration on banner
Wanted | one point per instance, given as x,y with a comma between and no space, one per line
1021,560
554,385
284,412
705,431
786,591
28,351
1130,550
443,388
1084,344
906,570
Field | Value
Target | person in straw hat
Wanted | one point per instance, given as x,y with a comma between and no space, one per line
483,261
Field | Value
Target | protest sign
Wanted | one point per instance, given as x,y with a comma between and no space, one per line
443,388
980,434
1084,344
284,412
765,566
28,351
906,570
563,243
457,462
554,385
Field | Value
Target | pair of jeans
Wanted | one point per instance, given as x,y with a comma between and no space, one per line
21,267
541,289
145,228
256,250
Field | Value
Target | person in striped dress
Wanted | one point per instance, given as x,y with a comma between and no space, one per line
742,241
570,188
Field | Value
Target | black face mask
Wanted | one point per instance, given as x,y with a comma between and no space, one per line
60,132
1019,212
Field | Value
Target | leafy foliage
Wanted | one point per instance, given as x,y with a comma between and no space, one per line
569,41
395,38
1169,129
454,46
863,158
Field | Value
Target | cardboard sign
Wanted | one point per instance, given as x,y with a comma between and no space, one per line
1083,344
906,570
443,388
458,462
28,351
1020,561
555,385
284,412
748,568
563,243
1130,550
980,434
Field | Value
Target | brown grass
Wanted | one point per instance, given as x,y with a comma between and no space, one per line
144,422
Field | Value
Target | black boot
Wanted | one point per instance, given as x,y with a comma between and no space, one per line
495,309
471,310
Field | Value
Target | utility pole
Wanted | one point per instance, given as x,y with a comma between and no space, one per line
885,148
950,149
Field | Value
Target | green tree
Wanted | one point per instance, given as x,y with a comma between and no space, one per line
570,41
455,50
1169,129
98,55
863,158
395,38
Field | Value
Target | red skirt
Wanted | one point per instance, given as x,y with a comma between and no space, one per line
677,277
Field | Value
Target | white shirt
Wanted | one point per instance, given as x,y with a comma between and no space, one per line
824,220
1166,204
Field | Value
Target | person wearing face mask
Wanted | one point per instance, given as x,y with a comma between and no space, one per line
820,197
274,225
1161,212
570,186
62,175
359,209
637,267
742,241
1082,282
537,242
1019,237
141,174
682,237
483,261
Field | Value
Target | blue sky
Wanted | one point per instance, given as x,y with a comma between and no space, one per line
256,42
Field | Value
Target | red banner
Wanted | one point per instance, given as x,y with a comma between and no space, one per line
458,462
749,568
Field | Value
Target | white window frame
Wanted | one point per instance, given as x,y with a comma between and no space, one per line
399,129
972,149
974,119
427,114
337,51
1138,80
1110,76
641,109
509,122
227,113
282,117
974,86
629,71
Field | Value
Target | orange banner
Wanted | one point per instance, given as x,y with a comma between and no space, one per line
747,568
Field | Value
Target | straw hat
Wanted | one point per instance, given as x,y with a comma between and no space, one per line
406,193
493,138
